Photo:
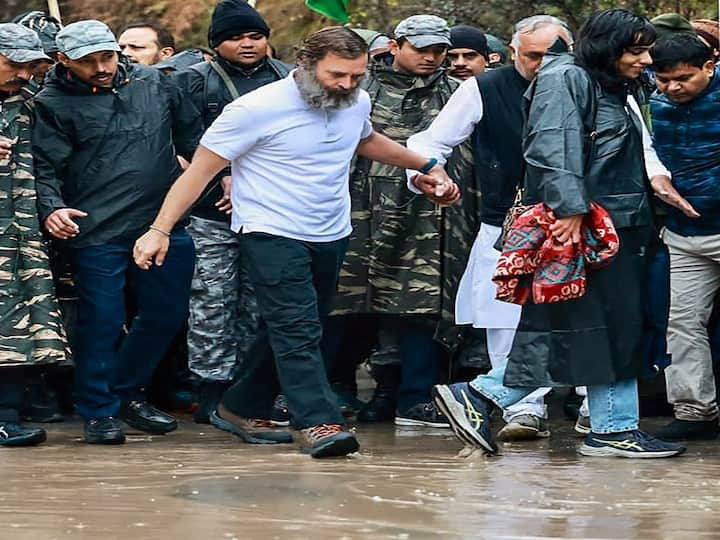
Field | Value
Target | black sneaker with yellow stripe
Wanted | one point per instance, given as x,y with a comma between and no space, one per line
628,444
469,414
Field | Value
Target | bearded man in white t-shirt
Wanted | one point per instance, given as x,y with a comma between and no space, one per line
290,145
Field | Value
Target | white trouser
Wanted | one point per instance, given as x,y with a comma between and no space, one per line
476,305
584,408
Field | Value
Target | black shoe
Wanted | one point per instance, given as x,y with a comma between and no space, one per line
348,403
382,405
209,396
629,444
422,414
15,434
380,408
469,414
104,431
41,404
571,404
686,430
280,415
143,416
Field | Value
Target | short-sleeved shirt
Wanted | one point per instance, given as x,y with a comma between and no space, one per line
290,161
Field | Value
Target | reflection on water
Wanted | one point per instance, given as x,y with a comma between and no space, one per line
204,484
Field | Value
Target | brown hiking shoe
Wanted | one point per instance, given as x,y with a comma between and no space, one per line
329,440
250,430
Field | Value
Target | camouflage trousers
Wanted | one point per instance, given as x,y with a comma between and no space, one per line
223,308
31,328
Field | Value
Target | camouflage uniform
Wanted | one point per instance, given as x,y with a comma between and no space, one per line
223,308
31,328
405,255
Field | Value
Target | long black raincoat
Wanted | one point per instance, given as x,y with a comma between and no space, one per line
583,144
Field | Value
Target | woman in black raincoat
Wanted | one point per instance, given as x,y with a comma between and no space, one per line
585,142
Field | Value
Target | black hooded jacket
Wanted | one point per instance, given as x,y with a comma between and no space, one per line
110,152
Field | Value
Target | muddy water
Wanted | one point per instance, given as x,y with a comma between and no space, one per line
199,483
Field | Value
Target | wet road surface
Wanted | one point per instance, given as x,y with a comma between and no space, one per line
200,483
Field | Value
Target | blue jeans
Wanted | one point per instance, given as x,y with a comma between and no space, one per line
613,407
111,368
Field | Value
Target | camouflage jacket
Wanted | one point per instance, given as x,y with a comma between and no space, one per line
401,247
31,330
18,212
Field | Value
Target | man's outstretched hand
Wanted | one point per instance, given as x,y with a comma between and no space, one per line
666,192
437,186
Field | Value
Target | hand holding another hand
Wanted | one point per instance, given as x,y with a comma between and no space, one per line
437,186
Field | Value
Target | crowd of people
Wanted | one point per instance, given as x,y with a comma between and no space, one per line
477,223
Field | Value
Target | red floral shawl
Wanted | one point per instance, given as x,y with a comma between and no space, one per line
531,260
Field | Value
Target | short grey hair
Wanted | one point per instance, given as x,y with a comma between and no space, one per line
535,23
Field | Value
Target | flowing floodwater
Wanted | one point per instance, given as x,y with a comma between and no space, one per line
199,483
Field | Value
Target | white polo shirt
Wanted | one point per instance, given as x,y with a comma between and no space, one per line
290,162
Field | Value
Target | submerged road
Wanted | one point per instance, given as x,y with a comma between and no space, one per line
200,483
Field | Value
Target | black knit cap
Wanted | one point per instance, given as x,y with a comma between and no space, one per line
233,17
464,36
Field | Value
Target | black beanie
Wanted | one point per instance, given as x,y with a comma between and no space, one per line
233,17
463,36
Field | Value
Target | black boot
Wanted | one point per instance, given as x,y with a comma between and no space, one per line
347,400
210,394
41,403
686,430
381,407
571,404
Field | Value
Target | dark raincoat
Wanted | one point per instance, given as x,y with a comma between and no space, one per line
582,145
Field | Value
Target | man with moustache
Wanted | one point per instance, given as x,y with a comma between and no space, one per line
105,143
469,53
487,109
223,312
31,329
290,144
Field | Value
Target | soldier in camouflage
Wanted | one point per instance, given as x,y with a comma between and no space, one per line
399,258
31,330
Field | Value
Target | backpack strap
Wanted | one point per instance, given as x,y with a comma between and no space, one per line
229,84
281,69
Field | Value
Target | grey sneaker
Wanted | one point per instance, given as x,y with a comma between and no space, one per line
524,427
582,426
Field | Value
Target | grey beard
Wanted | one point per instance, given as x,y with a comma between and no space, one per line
319,97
